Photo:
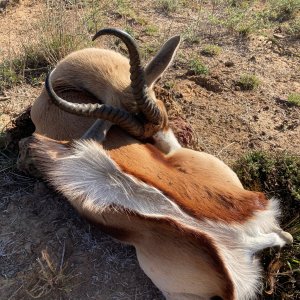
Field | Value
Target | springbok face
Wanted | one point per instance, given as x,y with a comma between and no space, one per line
195,228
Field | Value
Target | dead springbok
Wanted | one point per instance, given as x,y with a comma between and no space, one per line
194,227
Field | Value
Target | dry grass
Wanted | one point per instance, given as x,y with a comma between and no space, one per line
58,32
50,276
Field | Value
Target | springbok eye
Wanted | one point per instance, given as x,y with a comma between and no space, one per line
216,298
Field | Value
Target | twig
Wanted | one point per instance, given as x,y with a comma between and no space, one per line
5,169
4,98
62,256
14,293
286,273
35,69
4,155
292,221
7,233
225,148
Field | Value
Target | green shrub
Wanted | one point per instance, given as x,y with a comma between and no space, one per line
278,173
53,38
242,19
197,66
283,10
248,82
294,98
191,34
123,7
168,6
151,29
211,50
8,75
293,28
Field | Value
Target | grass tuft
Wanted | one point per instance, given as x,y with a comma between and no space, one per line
198,67
294,98
151,30
278,174
283,10
168,6
51,275
248,82
211,50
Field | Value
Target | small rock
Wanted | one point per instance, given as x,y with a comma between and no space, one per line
229,64
208,83
278,36
251,145
28,248
3,4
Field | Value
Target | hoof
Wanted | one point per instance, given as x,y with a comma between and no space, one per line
286,236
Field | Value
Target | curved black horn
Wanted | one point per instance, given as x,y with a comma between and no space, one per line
137,76
100,111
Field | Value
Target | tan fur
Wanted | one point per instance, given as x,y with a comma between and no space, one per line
199,183
160,243
85,76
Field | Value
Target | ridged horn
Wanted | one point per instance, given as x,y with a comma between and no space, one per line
95,110
137,76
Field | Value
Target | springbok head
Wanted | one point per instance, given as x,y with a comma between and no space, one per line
101,83
194,227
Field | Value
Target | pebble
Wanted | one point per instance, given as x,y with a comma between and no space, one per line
229,64
28,248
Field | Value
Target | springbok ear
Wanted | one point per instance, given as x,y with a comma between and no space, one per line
162,60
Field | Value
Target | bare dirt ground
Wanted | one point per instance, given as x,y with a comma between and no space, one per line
46,250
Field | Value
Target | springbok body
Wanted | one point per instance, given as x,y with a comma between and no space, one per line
194,227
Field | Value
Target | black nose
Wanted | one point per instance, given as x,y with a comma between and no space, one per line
216,298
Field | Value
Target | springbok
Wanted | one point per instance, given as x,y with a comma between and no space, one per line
194,227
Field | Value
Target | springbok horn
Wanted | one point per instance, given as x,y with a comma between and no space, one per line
137,76
100,111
